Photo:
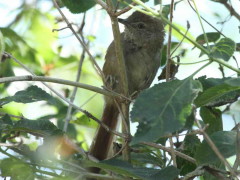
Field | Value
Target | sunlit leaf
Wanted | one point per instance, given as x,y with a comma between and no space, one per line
41,33
16,169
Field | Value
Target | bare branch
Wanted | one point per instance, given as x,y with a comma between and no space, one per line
231,9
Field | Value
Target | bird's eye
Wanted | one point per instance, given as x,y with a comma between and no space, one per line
141,26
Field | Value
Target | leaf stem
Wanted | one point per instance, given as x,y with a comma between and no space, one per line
200,20
201,68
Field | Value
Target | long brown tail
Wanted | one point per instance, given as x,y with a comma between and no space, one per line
103,140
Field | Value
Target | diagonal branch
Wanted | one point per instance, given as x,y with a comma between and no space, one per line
78,38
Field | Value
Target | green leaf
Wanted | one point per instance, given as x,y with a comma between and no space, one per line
212,117
146,158
191,143
16,169
79,6
163,109
218,95
223,99
238,47
225,141
166,11
224,49
37,127
212,37
233,82
14,37
31,94
6,119
6,70
124,168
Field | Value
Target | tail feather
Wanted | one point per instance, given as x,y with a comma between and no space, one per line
103,140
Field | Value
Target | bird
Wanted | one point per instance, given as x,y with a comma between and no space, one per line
142,41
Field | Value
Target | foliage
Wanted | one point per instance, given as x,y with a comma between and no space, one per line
35,143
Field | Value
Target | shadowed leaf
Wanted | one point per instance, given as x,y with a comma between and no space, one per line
79,6
31,94
163,109
225,142
224,49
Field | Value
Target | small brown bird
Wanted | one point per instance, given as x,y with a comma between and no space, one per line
142,41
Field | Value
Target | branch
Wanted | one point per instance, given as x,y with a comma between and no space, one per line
231,9
168,70
123,75
71,83
169,150
103,4
215,149
126,9
78,38
58,81
69,111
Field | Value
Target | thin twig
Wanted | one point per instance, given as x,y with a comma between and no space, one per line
99,71
124,10
173,155
168,70
206,20
231,9
179,44
237,161
214,148
69,111
12,145
123,74
58,81
13,116
200,20
159,146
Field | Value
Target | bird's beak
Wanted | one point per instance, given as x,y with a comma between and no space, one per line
123,21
